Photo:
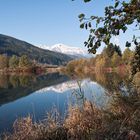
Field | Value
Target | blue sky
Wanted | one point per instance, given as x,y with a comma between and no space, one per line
47,21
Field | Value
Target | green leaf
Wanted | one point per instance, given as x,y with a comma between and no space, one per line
87,0
92,51
81,15
82,25
89,24
86,26
135,42
93,17
116,4
86,43
124,29
128,44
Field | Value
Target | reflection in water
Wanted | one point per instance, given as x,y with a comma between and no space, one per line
78,90
14,87
79,94
14,80
110,92
45,92
109,81
4,81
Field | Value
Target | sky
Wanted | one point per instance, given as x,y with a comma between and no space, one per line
48,21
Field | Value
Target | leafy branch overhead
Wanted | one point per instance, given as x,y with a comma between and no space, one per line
116,19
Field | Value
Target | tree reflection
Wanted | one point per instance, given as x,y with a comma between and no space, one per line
109,81
79,93
4,82
14,80
121,116
25,81
13,87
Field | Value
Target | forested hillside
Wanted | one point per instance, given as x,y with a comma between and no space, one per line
12,46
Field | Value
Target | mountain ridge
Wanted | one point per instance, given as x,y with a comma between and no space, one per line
12,46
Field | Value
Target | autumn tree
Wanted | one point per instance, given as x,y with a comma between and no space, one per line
116,60
24,61
117,19
100,63
71,66
3,61
127,56
13,62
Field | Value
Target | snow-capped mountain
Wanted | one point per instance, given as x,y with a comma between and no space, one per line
72,51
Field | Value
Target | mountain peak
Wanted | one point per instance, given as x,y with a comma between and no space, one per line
69,50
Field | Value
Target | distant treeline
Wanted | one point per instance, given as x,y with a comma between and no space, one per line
111,59
17,64
14,61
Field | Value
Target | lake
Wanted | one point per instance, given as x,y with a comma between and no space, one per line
23,95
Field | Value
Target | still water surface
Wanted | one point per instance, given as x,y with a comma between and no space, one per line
25,95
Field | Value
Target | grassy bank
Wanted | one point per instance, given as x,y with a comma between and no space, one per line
89,123
32,69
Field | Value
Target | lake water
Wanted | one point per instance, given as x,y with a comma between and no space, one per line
25,95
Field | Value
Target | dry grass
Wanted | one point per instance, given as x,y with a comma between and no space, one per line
26,129
82,123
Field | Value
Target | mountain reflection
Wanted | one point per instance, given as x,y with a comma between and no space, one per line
13,87
108,91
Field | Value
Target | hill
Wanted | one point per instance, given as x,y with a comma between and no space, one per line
12,46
